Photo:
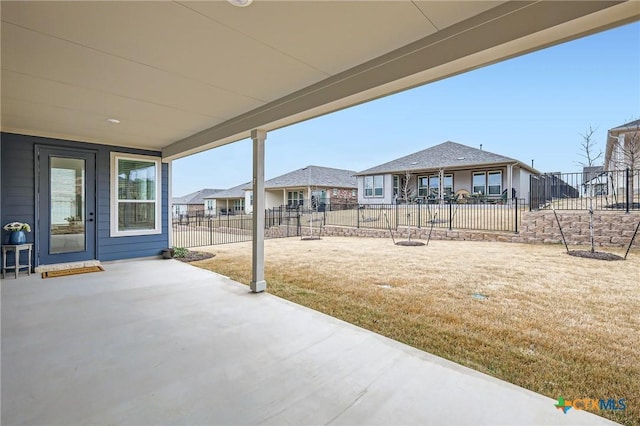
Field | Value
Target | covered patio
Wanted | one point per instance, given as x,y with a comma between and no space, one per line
162,342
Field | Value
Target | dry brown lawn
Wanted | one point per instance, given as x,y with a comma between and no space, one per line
556,324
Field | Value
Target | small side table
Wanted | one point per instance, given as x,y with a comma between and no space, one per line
16,249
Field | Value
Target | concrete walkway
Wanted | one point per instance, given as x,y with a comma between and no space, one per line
161,342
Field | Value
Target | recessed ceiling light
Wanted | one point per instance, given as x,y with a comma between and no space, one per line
240,3
113,120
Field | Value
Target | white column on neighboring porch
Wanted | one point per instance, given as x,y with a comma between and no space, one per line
441,187
258,283
284,196
509,183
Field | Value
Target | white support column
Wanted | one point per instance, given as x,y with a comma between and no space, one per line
441,186
509,183
170,196
258,283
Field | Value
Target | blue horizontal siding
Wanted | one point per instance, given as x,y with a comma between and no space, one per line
17,201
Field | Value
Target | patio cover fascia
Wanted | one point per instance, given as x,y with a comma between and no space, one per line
515,28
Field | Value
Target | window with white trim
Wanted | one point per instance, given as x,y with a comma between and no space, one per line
423,186
479,183
396,185
494,181
295,198
238,205
447,185
135,195
434,185
374,186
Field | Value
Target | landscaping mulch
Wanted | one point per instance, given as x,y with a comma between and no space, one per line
193,256
595,255
410,243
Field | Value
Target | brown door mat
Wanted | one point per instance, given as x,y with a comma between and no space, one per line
73,271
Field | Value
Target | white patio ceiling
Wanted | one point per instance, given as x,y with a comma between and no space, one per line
183,77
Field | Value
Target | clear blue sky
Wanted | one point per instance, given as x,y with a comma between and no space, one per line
531,107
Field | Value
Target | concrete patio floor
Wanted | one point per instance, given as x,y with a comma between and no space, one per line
162,342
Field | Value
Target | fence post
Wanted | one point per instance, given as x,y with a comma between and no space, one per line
626,175
358,216
450,216
210,232
397,217
419,214
516,211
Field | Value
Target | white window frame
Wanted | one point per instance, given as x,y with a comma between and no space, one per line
295,198
371,181
238,205
484,179
494,172
423,186
114,232
449,187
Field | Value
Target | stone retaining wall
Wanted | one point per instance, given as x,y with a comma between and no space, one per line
419,234
610,228
540,227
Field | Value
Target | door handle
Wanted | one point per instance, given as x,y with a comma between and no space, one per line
90,220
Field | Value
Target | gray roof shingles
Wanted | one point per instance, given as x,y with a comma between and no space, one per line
632,125
235,192
314,176
195,197
446,155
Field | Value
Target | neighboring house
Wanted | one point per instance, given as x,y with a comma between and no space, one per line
623,147
320,187
594,181
441,171
230,201
195,204
623,152
118,194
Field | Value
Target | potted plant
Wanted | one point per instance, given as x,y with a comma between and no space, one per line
17,232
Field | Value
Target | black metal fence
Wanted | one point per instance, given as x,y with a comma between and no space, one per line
480,216
288,222
196,231
600,190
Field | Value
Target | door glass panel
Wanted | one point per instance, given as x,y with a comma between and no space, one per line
67,233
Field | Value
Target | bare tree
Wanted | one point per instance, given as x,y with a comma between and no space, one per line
589,148
407,192
591,153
